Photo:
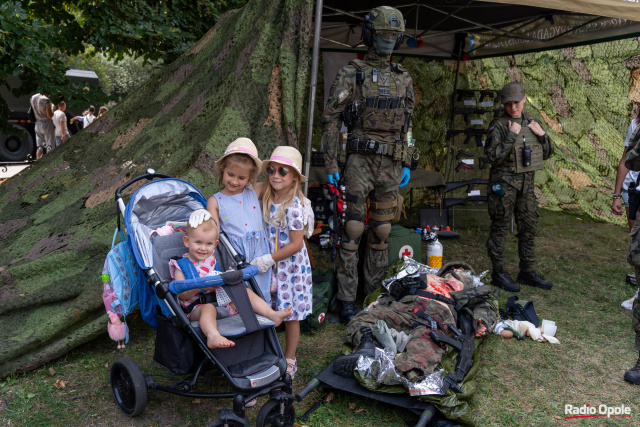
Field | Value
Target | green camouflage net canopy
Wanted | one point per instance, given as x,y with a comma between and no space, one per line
583,98
247,77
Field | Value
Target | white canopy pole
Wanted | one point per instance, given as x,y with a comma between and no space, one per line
312,92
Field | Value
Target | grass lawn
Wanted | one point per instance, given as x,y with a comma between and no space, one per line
519,383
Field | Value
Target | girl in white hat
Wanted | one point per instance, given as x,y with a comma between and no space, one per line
287,214
237,205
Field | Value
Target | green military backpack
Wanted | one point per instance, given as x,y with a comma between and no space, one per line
324,299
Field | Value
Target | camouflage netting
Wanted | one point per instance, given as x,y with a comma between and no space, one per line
247,77
583,96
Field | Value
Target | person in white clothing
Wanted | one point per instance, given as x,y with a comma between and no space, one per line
60,123
44,129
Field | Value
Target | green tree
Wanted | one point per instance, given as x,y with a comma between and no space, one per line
36,37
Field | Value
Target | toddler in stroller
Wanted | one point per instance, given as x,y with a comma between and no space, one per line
255,366
201,239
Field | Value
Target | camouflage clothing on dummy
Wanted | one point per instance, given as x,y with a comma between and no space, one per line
368,175
422,354
519,199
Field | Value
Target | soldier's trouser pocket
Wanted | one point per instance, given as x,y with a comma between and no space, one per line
633,253
496,205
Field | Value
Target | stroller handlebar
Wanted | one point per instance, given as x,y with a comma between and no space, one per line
178,286
151,174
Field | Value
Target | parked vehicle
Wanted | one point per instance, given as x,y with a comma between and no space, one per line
20,144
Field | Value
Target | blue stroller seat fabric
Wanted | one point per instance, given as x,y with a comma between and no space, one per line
254,367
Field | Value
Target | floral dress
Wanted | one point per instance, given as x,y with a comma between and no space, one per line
293,274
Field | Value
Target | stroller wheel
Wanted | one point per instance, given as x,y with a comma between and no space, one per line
128,386
270,414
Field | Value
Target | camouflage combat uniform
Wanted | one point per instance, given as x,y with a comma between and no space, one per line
633,257
367,175
422,354
519,199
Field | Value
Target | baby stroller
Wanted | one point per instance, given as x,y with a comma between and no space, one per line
254,367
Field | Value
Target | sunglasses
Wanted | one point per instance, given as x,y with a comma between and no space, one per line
283,171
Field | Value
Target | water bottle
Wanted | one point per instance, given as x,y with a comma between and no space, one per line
108,294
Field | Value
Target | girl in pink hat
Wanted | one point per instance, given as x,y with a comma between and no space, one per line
237,205
288,215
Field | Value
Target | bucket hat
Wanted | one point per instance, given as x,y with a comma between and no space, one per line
512,92
287,156
243,146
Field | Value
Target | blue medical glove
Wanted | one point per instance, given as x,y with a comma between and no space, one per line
333,178
406,175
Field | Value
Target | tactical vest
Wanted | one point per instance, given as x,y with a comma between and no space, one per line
514,159
384,98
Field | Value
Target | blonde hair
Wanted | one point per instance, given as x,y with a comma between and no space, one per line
236,159
206,225
268,195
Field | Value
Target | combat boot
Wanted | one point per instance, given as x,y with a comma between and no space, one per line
502,279
633,374
345,364
532,278
347,311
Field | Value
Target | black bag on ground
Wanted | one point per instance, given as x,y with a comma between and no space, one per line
518,309
324,292
175,349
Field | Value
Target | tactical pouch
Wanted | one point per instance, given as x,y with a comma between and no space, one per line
536,157
397,211
400,288
522,310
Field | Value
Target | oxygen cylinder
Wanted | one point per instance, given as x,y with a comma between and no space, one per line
434,253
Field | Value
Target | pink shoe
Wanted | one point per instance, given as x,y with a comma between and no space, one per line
292,367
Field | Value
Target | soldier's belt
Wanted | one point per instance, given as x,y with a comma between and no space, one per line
369,146
399,152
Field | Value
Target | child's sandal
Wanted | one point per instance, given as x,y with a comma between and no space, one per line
292,367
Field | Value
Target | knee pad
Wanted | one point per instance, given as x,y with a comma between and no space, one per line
380,234
351,237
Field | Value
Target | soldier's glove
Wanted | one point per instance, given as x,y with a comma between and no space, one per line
263,262
406,175
197,217
333,178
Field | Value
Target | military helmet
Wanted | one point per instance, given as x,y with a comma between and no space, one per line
382,18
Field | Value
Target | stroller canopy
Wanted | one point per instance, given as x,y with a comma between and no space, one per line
154,204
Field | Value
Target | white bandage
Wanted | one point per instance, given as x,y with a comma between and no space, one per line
263,262
198,217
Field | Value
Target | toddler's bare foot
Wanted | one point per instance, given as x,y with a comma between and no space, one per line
215,340
279,316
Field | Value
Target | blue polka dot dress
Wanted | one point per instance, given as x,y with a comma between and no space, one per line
293,275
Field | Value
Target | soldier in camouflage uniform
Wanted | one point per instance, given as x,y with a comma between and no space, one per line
375,99
511,186
633,256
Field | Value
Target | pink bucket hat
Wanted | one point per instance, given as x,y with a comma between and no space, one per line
287,156
243,146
